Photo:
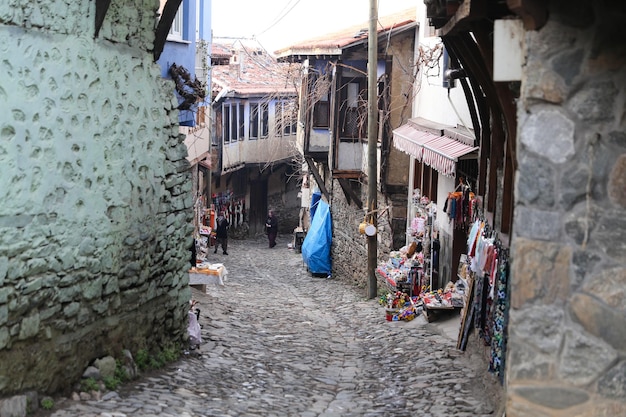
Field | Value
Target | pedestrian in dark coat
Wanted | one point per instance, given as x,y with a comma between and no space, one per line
271,228
194,255
221,233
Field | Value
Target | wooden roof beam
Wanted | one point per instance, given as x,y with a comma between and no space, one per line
163,28
102,6
349,192
318,178
468,11
534,13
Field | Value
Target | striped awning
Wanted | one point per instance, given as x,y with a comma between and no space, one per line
438,151
410,140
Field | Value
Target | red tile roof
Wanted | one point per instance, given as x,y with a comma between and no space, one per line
219,50
252,72
334,43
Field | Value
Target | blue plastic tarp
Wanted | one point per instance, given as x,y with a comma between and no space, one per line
315,198
316,245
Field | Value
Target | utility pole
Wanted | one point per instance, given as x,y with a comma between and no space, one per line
372,141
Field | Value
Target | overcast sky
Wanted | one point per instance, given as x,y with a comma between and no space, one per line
280,23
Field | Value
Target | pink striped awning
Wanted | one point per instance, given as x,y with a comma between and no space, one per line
438,151
410,140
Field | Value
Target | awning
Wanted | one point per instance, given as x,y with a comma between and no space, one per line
410,140
443,153
438,151
206,163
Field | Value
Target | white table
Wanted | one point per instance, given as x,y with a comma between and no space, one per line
207,274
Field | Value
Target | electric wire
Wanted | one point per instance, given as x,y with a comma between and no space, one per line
278,19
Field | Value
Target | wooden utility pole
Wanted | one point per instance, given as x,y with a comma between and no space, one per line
372,139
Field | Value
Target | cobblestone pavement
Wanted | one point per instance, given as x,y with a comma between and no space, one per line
280,342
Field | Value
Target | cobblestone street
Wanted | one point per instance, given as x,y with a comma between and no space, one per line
279,342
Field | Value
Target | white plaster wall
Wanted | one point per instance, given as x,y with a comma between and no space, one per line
432,101
319,140
350,156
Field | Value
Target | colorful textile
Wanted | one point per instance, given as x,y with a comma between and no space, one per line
500,322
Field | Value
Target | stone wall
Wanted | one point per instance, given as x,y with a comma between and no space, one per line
349,251
95,188
282,197
349,248
567,344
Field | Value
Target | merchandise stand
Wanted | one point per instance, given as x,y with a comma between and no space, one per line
412,269
467,311
485,268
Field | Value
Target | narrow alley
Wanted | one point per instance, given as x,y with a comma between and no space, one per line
280,342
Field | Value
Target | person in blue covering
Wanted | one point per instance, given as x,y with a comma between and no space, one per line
271,228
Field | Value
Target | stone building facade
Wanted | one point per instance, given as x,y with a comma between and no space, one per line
349,249
95,189
335,146
567,331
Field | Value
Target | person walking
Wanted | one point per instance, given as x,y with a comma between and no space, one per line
221,233
271,227
194,254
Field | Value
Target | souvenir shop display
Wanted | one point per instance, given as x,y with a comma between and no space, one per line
205,236
204,272
452,297
460,205
404,270
398,306
412,270
234,208
485,268
405,275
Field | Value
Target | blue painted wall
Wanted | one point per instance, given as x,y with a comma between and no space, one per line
184,52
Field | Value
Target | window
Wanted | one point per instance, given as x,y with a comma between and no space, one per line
241,122
200,116
233,122
321,101
291,112
321,112
259,115
264,120
353,109
176,30
254,121
219,133
227,121
285,118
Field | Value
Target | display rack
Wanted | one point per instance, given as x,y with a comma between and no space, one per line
422,235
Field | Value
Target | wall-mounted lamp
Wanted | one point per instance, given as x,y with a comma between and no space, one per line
454,73
450,71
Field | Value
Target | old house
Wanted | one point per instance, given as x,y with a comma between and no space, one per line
185,59
332,131
539,139
544,83
254,129
440,141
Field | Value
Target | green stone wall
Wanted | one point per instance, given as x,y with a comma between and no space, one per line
95,191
